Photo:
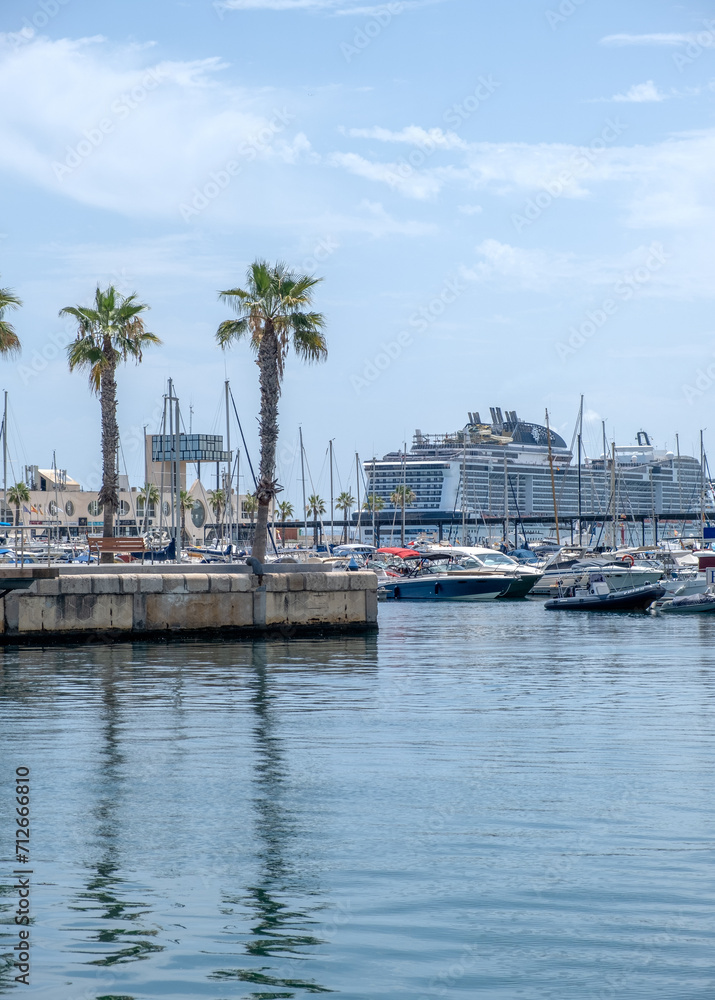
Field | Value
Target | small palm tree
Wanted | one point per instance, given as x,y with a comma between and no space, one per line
315,507
402,497
345,502
250,505
273,312
217,501
373,502
286,510
18,494
186,502
9,340
149,496
108,332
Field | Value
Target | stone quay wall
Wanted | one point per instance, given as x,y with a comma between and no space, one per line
132,601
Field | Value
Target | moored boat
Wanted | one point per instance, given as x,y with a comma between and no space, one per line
686,604
427,577
598,597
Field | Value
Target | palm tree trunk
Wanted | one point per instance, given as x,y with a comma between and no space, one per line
270,392
108,495
17,515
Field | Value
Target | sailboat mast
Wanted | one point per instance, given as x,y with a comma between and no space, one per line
553,481
177,481
357,478
229,471
404,493
372,484
613,492
4,454
702,488
680,482
332,495
302,478
506,505
580,436
464,492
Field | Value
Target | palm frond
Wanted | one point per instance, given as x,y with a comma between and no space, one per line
231,330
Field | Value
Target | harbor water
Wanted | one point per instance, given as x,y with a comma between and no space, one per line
481,800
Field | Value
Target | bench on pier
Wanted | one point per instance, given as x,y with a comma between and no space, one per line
117,546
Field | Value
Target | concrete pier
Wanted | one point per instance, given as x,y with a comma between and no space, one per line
108,603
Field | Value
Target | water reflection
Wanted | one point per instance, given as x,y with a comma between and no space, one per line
106,895
279,930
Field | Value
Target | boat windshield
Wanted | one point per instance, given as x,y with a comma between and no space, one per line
491,559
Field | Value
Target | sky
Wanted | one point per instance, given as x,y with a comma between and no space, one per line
509,205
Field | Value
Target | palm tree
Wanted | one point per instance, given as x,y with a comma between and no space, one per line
402,496
186,502
373,502
149,495
250,505
273,312
286,510
315,507
108,332
18,494
9,340
345,502
217,500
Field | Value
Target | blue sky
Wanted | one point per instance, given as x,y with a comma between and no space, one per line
511,204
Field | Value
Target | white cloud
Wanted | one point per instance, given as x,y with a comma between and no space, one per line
336,7
666,38
419,184
663,184
414,135
640,93
683,270
470,209
100,125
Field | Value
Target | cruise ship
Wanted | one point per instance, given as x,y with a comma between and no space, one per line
503,468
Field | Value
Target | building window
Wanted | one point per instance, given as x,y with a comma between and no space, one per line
165,508
94,508
198,514
53,508
123,508
69,508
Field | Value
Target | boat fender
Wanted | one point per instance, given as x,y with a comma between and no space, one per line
628,559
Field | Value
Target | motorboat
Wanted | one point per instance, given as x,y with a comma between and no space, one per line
598,596
427,577
623,574
702,603
482,560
